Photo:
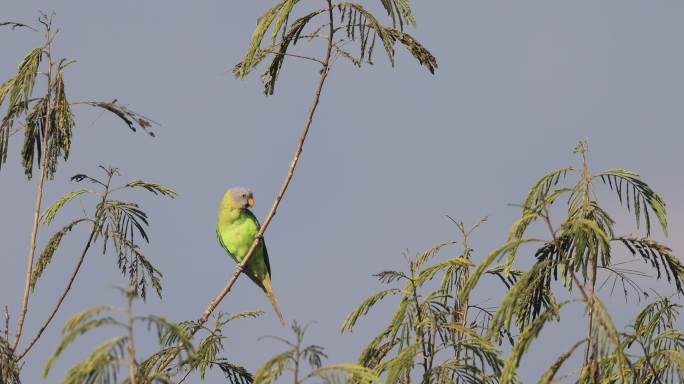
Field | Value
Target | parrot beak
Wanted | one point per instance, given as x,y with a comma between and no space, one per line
250,202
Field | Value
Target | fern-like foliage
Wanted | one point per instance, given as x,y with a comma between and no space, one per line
48,119
435,332
176,338
340,24
9,367
108,361
578,250
105,362
659,341
654,345
118,225
297,355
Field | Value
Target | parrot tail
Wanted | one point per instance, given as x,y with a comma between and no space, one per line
266,282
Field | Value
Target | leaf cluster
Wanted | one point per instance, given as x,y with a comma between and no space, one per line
298,354
118,225
106,360
434,329
350,20
580,248
47,120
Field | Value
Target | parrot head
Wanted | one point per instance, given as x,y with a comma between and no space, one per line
238,197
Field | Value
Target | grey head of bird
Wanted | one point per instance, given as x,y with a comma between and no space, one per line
241,197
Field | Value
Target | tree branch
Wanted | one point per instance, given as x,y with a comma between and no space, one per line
283,188
39,195
132,365
185,376
64,294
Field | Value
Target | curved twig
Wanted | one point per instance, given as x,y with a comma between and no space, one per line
64,294
283,188
281,192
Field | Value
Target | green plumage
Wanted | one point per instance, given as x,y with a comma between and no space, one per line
236,228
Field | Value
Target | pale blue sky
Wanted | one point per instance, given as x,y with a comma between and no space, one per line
391,152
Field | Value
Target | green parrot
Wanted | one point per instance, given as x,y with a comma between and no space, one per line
236,227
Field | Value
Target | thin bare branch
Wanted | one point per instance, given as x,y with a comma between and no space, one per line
295,55
185,376
62,297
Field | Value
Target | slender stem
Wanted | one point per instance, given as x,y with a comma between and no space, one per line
298,356
283,188
591,347
39,196
419,327
648,362
7,319
461,308
63,296
185,376
296,56
132,366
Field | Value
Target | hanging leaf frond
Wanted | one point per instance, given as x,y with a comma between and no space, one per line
659,256
167,330
362,24
263,23
364,307
430,252
51,212
418,51
524,291
270,76
19,88
273,368
528,335
399,11
155,188
34,128
430,272
49,250
62,124
101,366
76,326
283,15
235,374
487,262
638,196
387,277
543,186
132,119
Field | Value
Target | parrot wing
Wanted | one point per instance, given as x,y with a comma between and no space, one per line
218,235
263,241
